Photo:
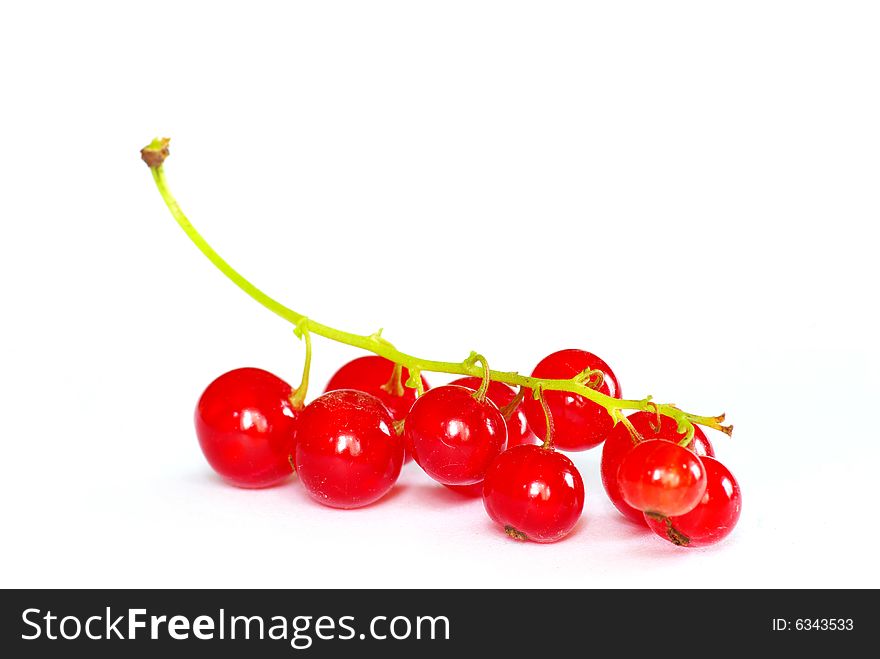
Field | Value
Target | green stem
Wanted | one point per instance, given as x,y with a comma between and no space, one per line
480,394
376,344
633,433
548,420
298,398
415,381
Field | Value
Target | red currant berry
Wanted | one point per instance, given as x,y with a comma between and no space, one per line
246,427
578,423
372,375
347,453
714,517
534,493
661,477
453,436
499,393
620,442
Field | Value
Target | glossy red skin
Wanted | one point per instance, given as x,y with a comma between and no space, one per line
661,477
347,453
453,436
246,427
578,423
499,393
619,443
369,374
714,517
535,492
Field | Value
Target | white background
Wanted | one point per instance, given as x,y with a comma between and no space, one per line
688,189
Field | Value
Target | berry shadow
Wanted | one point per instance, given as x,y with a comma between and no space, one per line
397,491
211,479
437,496
632,541
614,529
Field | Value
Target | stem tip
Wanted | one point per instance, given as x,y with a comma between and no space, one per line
155,152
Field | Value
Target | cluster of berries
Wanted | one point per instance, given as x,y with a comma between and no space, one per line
476,436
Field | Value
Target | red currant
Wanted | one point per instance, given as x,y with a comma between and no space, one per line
499,393
620,442
661,477
372,374
246,427
454,436
347,452
534,493
578,423
714,517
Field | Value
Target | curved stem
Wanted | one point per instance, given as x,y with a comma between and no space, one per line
548,419
689,434
634,434
480,394
298,399
374,343
415,382
268,302
508,410
656,423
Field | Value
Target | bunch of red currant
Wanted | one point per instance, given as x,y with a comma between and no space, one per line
473,435
477,435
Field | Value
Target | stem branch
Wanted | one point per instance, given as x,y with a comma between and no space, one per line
155,154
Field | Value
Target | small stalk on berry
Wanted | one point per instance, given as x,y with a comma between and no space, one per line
394,386
415,381
548,419
633,433
298,398
508,410
480,394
